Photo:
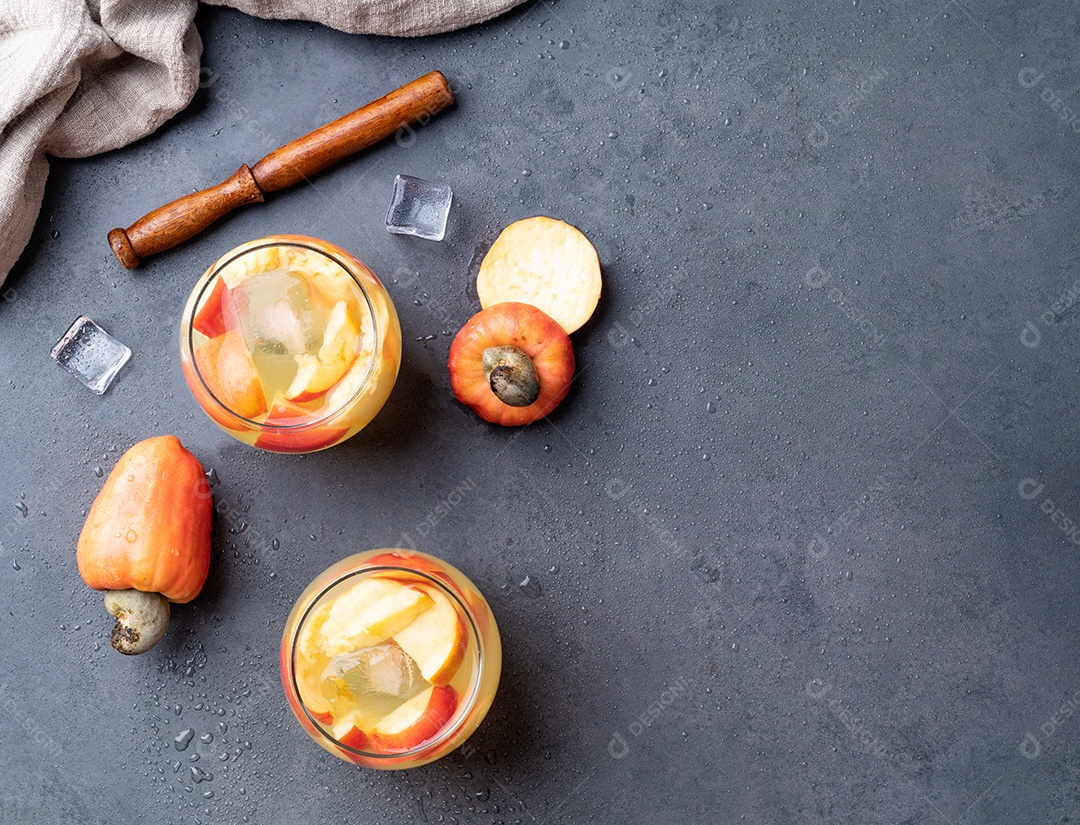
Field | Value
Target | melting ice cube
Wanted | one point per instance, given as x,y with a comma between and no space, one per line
90,354
277,314
380,678
419,208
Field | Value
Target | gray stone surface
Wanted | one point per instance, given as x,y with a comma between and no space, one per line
791,568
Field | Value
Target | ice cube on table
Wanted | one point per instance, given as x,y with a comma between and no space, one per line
90,354
419,208
380,678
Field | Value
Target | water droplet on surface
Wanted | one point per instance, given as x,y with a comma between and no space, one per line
206,738
710,407
847,575
275,544
212,477
564,44
735,646
183,739
15,564
483,794
554,568
54,234
22,508
99,472
530,587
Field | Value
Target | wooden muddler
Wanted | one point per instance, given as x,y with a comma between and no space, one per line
174,222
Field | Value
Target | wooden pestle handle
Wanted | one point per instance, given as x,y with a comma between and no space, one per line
185,217
174,222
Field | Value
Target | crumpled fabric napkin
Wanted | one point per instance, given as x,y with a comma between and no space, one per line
81,77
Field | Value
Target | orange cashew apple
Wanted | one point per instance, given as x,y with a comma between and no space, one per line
146,541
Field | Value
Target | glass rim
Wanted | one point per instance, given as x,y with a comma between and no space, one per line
312,245
464,708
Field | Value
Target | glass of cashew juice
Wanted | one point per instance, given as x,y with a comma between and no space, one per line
390,659
290,344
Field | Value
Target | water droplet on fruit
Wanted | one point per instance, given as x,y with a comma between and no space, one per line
131,536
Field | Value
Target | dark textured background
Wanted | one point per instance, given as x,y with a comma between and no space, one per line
788,573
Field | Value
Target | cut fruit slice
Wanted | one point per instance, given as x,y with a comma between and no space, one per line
217,315
436,640
369,614
309,645
346,388
225,365
544,262
308,683
416,721
349,731
403,558
333,284
317,373
285,413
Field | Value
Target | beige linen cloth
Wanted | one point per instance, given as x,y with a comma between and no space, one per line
79,77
